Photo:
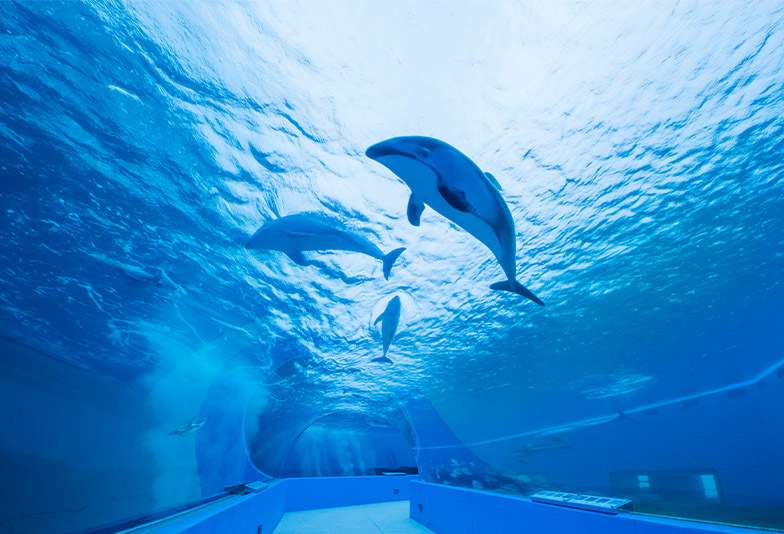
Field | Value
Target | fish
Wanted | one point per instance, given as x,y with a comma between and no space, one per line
389,318
539,445
442,177
689,403
623,416
301,232
191,426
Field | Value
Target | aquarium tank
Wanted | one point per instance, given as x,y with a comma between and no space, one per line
508,246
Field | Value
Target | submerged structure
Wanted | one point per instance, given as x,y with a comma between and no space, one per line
201,329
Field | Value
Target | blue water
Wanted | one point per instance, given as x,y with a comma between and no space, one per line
639,149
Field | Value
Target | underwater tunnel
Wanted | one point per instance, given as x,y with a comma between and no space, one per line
345,267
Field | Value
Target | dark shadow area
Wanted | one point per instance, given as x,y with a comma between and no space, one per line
71,448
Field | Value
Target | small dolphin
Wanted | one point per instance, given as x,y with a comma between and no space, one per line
389,318
294,234
193,425
379,422
138,274
448,181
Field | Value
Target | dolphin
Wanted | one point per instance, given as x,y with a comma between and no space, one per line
389,318
139,274
294,234
191,426
444,178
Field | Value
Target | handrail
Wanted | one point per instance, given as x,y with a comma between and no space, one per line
143,519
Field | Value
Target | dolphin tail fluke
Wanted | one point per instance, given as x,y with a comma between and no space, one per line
389,260
516,287
381,359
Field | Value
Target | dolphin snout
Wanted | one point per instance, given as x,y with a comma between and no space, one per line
386,148
256,240
377,151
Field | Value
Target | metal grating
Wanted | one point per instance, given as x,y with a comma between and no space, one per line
607,505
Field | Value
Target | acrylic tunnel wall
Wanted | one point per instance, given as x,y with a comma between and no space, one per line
83,450
340,442
155,352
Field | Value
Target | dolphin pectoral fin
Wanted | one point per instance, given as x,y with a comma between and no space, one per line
455,197
414,210
380,316
493,181
389,261
516,287
381,359
297,257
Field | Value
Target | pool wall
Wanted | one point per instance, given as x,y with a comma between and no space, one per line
458,511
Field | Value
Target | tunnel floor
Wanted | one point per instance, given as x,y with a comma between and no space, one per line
387,517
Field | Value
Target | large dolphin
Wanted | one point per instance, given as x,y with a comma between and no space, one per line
444,178
295,234
390,318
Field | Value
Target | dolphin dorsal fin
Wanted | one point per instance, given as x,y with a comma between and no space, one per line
297,257
494,181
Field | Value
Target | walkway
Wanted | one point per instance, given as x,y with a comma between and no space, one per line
386,518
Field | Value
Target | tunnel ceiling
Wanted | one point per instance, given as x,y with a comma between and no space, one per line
651,244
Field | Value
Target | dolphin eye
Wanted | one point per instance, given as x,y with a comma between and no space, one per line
423,152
